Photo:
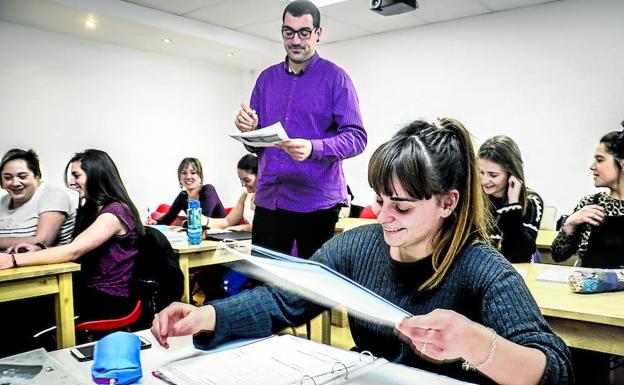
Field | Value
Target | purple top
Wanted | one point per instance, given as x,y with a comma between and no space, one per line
109,267
319,104
208,198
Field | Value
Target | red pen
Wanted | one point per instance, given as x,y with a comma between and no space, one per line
162,377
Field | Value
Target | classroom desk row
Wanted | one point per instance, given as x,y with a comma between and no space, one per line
593,321
587,321
33,281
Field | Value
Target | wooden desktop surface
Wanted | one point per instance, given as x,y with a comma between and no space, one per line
345,224
33,281
588,321
545,238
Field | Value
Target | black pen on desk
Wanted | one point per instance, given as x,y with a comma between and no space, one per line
162,377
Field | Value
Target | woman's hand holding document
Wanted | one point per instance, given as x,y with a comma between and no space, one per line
264,137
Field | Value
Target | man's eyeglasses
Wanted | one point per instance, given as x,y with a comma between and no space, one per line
304,33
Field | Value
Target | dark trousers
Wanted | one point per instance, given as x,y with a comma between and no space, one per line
279,229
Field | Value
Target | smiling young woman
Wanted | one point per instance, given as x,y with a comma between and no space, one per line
516,209
429,255
191,177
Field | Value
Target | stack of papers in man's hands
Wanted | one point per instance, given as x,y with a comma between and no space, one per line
264,137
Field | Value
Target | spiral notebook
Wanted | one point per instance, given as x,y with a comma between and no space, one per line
278,360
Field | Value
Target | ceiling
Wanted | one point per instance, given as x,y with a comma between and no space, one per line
242,33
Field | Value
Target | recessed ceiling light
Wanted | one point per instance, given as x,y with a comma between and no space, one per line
167,40
230,53
90,22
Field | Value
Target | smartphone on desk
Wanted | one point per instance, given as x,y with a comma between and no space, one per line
85,352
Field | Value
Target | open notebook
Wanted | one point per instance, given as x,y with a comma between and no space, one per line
289,360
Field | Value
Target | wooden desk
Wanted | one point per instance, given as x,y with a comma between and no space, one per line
205,254
182,348
33,281
198,255
345,224
545,238
587,321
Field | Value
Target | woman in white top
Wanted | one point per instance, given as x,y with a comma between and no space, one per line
247,169
36,213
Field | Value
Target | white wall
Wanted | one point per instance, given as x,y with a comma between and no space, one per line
550,76
61,95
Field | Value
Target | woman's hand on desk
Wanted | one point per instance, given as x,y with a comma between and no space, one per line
182,319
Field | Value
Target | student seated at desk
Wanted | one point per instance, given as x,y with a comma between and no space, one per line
516,209
596,228
191,176
33,212
107,230
247,169
38,214
429,255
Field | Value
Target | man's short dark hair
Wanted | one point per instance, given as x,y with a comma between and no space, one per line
299,8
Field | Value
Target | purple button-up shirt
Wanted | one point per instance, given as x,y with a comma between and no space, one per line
319,104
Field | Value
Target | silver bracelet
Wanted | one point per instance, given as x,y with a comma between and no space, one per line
466,365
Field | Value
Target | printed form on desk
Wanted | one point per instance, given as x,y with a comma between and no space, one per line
289,360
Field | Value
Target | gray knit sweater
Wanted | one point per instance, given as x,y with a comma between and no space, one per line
481,285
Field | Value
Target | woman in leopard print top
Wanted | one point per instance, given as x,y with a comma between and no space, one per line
596,229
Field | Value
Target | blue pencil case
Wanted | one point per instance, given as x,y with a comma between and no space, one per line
596,280
117,359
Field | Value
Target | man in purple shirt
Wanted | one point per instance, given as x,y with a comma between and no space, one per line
301,185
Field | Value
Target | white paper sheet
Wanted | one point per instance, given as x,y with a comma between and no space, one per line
264,137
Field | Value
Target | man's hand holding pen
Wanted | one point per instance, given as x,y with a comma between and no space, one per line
247,119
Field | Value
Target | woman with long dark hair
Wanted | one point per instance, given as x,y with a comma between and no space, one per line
105,243
596,228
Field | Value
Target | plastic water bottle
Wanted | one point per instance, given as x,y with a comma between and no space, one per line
194,229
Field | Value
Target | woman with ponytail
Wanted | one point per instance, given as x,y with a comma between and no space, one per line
475,319
105,239
596,228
